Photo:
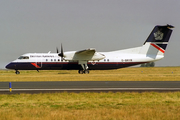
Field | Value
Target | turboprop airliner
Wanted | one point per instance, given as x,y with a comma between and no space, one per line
153,49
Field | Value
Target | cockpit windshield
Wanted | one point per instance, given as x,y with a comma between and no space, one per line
23,57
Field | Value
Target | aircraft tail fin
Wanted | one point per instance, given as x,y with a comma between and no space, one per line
157,41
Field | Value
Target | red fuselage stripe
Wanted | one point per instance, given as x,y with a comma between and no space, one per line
35,65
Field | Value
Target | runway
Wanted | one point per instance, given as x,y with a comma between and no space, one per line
89,86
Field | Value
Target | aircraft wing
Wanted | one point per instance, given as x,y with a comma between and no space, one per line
90,51
88,54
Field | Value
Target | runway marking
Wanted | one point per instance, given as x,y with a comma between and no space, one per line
98,89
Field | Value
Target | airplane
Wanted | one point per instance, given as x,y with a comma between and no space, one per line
153,49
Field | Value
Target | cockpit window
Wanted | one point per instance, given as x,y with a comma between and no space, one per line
23,57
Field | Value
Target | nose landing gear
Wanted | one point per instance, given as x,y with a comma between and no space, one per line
17,72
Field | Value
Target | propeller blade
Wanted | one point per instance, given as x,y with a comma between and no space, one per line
57,50
62,53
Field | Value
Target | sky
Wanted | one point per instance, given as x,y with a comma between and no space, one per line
39,26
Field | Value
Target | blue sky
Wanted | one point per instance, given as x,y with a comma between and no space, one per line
35,26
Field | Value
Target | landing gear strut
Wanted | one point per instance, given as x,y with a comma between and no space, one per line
17,72
84,67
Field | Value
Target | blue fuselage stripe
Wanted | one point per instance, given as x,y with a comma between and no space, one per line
69,65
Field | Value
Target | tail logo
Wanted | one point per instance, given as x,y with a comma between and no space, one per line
158,35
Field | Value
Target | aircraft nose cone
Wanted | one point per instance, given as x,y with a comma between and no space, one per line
10,66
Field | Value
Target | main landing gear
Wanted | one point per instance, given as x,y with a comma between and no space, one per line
17,72
84,69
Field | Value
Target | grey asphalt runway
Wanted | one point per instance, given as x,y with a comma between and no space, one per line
89,86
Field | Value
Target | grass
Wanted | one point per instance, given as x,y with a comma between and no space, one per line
125,74
91,106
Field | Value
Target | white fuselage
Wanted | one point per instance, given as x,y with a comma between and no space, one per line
111,60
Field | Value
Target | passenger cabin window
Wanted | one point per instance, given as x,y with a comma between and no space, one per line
23,57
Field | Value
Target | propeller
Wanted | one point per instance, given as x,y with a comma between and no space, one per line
62,53
57,50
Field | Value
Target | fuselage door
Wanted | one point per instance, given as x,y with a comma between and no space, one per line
38,62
